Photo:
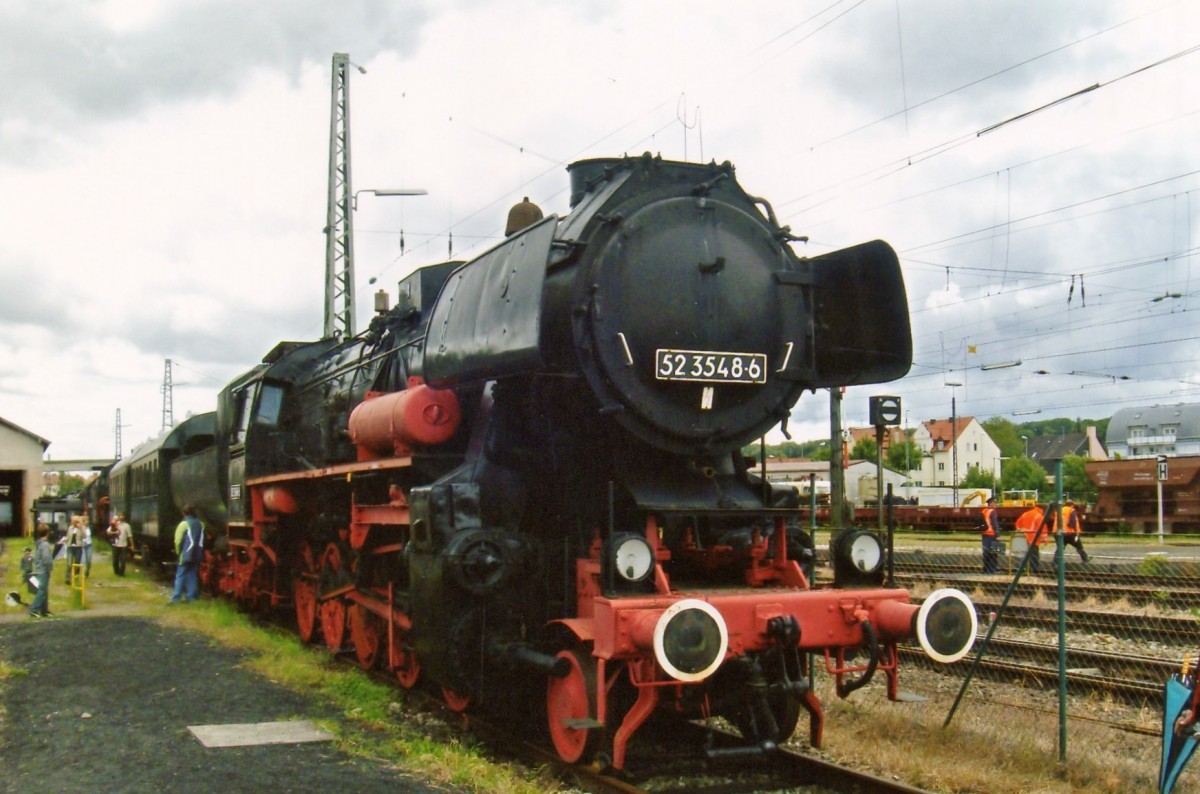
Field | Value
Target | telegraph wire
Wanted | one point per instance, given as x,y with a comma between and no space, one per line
987,77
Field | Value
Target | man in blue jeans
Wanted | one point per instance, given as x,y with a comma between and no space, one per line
43,564
189,547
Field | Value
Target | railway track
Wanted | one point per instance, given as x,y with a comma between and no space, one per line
1132,594
1166,629
1132,679
1126,585
656,771
657,766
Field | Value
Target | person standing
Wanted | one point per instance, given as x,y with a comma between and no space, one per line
1030,522
189,547
74,542
1073,528
991,537
85,547
120,535
43,564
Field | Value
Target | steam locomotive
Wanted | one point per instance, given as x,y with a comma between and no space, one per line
523,483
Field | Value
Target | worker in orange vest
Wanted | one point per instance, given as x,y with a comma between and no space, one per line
1073,527
991,536
1030,522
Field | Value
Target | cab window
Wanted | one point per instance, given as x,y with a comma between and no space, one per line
269,405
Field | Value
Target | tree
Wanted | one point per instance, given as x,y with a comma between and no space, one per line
70,483
864,449
901,456
1075,479
1022,474
978,478
790,449
1006,435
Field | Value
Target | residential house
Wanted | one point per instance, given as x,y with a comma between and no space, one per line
1047,451
1149,431
941,441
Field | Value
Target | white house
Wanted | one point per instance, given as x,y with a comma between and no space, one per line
938,443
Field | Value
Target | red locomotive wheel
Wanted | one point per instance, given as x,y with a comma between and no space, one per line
366,629
570,705
403,661
454,701
333,623
332,612
304,594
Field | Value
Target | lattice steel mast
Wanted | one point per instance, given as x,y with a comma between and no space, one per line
117,451
339,228
168,404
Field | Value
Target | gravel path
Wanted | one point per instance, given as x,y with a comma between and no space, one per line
105,704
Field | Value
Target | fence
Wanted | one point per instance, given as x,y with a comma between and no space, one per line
1078,653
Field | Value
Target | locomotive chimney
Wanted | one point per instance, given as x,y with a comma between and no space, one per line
382,301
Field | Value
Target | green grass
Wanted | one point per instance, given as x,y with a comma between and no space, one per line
8,671
379,723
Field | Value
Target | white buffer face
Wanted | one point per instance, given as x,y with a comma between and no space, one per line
946,625
690,640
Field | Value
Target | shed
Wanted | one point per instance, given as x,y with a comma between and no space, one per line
20,477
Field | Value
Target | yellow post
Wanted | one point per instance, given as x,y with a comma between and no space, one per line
78,584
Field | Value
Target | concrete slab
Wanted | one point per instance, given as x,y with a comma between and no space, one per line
258,733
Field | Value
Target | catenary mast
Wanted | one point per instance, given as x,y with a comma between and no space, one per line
339,230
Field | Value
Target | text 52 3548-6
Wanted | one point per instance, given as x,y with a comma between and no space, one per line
710,366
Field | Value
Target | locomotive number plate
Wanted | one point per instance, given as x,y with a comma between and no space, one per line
709,366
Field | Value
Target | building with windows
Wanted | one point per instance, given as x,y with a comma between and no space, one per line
861,483
20,477
1047,451
938,444
1146,432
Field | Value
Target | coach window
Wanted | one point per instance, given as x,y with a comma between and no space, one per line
269,405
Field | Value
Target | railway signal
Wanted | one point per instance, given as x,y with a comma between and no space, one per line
1161,461
883,410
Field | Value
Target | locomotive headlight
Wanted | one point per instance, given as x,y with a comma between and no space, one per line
632,557
857,558
866,553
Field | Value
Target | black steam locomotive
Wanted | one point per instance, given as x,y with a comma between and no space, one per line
523,483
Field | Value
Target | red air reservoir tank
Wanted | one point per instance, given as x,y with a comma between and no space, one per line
396,423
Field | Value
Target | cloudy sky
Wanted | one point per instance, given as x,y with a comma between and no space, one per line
164,172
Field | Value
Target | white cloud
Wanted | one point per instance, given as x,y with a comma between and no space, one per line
165,174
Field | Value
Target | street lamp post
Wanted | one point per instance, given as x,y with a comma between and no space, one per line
1026,440
381,299
907,462
388,192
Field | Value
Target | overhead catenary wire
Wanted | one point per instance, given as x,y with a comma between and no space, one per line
1007,229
